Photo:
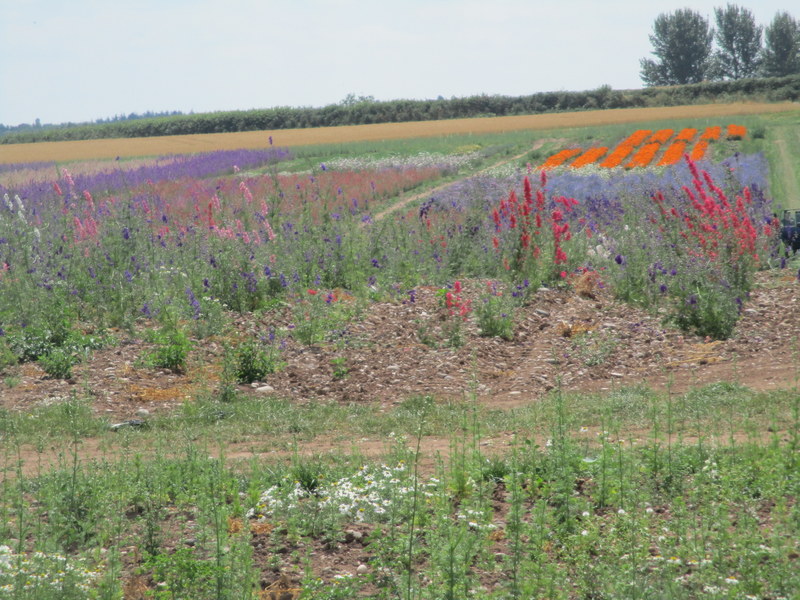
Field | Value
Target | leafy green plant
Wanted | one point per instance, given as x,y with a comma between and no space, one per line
172,349
709,311
254,359
7,357
495,317
58,363
183,574
339,365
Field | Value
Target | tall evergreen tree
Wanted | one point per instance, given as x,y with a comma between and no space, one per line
682,43
738,39
782,46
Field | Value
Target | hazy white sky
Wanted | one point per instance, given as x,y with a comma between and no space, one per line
81,60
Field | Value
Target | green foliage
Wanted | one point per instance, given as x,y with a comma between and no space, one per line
738,40
254,359
58,363
339,365
781,46
583,510
495,317
706,310
7,356
172,349
319,316
682,43
184,574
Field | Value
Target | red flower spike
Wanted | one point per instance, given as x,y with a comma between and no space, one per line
526,187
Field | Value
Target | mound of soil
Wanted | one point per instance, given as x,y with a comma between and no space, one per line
579,339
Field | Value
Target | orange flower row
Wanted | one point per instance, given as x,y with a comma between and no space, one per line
624,148
736,132
673,153
560,158
644,156
661,136
711,133
686,135
588,157
699,150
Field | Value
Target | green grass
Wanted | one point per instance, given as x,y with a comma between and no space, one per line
782,136
585,495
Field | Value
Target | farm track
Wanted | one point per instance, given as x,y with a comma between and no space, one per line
155,146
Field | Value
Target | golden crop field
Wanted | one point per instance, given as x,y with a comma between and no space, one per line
178,144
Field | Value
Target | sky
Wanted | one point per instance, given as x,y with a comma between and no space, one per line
83,60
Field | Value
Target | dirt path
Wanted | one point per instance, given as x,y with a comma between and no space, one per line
427,193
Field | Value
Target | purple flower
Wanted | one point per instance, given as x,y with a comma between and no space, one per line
619,259
663,288
251,282
128,276
193,303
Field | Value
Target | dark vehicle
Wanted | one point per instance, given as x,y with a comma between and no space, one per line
790,229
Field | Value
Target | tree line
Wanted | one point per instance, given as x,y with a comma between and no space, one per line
689,50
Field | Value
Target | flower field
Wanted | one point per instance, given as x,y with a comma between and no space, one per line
647,148
265,294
